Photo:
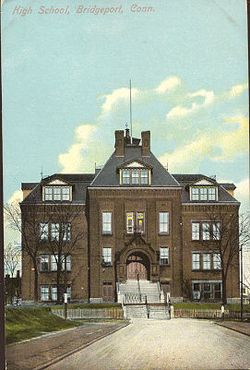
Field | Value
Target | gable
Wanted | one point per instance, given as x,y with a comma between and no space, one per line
203,182
56,182
135,165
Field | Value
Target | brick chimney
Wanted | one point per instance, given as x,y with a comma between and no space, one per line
119,143
145,138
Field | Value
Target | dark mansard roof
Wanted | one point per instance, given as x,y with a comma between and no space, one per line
109,176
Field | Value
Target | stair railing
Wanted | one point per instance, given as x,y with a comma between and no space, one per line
139,288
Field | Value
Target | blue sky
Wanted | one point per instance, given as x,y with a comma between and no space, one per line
66,77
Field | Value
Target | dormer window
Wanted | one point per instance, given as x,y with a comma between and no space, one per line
135,176
56,193
203,193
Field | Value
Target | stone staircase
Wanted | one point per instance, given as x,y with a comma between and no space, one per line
142,299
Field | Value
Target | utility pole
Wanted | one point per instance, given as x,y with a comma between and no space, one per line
241,283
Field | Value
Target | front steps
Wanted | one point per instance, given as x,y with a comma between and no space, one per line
144,288
146,311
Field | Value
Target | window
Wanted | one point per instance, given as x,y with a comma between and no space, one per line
135,176
217,290
206,261
125,177
44,292
66,232
69,293
106,222
44,231
66,262
54,293
53,262
195,261
205,231
130,222
207,288
107,256
163,222
203,193
55,231
44,263
195,230
216,261
56,193
216,226
164,256
140,226
144,177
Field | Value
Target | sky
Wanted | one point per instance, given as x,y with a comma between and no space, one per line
66,86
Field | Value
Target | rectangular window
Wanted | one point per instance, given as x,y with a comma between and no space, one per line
212,193
135,177
66,231
48,193
164,256
203,193
54,293
206,261
140,222
205,231
195,230
44,231
216,230
195,261
44,263
144,177
130,222
163,222
65,193
216,261
107,222
207,291
57,193
107,256
66,263
55,231
69,293
195,193
53,262
217,290
44,293
125,177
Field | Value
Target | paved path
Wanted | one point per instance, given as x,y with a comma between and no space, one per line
170,344
240,327
36,352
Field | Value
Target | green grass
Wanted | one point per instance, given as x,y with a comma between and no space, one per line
210,306
25,323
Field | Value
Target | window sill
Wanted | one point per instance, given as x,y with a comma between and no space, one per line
107,234
164,264
106,265
164,234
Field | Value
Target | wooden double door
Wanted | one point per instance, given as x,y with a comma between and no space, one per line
137,267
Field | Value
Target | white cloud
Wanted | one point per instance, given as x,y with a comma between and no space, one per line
16,197
242,194
75,159
116,97
168,84
181,111
237,90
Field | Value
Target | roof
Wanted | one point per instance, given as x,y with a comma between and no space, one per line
28,185
79,182
109,176
189,179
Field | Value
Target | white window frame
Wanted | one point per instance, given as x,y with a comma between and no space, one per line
216,261
130,222
44,231
144,176
195,230
106,222
66,231
216,230
107,256
125,176
196,261
205,230
44,259
164,256
53,262
53,292
54,231
206,261
57,193
142,231
44,293
163,223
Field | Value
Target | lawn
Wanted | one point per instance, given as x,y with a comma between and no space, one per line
24,323
90,305
210,306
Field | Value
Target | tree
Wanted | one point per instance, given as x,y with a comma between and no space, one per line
12,260
50,228
228,233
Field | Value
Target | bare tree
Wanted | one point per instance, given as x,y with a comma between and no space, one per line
228,234
48,228
65,231
12,259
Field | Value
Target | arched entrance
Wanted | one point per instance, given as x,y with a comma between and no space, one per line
138,265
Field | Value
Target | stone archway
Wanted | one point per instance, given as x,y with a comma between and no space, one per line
138,266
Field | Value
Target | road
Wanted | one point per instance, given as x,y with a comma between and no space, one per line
170,344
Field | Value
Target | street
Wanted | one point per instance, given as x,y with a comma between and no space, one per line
164,344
